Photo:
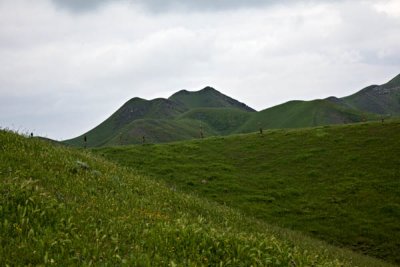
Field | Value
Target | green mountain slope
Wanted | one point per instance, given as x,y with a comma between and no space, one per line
62,207
157,120
181,116
134,109
222,121
297,114
207,98
395,82
156,131
383,99
338,183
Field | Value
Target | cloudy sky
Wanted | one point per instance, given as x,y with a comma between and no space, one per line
66,65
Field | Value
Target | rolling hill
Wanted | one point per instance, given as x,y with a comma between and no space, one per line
185,114
337,183
64,207
298,114
134,109
157,120
383,99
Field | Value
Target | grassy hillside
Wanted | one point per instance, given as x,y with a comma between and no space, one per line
222,121
376,99
383,99
134,109
207,98
298,114
127,127
160,120
156,131
63,207
338,183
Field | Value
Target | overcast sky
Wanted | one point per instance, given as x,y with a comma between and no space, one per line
66,65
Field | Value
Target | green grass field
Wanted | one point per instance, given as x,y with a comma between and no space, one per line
340,184
64,207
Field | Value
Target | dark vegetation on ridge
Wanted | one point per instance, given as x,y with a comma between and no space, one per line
64,207
337,183
185,115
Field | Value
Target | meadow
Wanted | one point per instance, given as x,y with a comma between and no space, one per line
339,184
66,207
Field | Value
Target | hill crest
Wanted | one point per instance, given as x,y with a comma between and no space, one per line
206,112
208,97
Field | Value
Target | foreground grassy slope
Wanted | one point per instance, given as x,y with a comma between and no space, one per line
63,207
337,183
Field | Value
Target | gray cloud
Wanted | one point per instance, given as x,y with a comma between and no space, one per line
176,5
80,6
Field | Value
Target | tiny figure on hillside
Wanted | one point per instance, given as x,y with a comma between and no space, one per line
85,140
261,131
31,135
143,139
383,119
201,132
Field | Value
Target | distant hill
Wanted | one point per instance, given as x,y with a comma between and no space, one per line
185,115
298,114
380,99
134,109
163,120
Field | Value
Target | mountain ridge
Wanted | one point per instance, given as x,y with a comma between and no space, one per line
206,112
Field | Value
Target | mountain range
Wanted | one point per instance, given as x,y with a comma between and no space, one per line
208,112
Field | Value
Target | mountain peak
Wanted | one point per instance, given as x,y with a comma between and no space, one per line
208,89
208,97
136,99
